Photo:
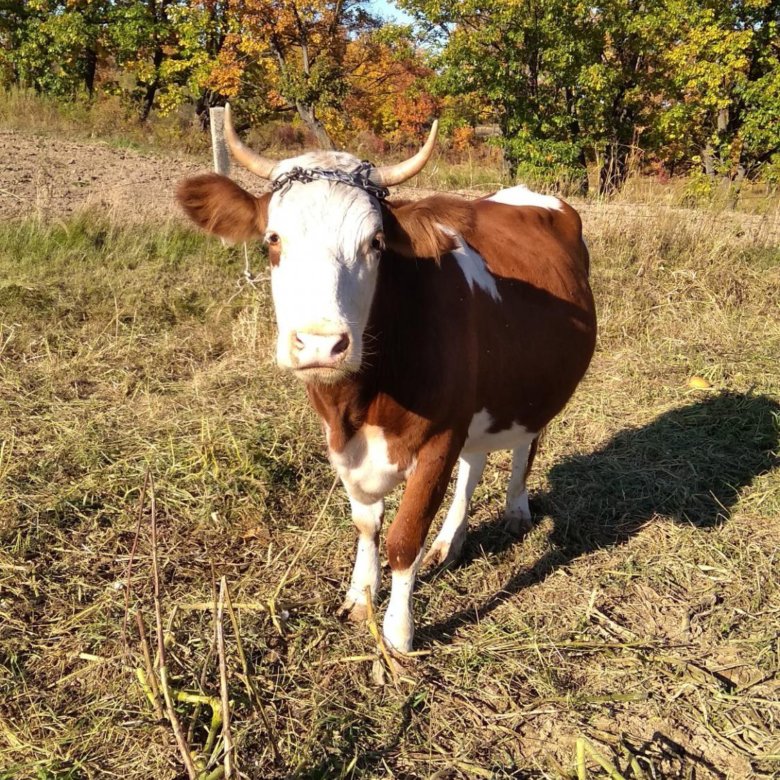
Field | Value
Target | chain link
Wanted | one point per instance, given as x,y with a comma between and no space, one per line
359,177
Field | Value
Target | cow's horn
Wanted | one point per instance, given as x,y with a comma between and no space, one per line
243,155
388,175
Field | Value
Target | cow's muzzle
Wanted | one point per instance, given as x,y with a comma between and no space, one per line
318,350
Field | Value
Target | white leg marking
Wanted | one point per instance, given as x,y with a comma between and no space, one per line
480,439
366,572
449,541
398,626
518,512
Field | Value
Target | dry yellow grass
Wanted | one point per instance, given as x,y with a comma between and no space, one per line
640,614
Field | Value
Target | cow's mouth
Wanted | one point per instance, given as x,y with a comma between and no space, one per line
324,373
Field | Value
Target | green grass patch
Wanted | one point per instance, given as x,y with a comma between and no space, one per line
640,613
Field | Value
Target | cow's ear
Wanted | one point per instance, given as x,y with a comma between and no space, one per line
219,205
424,228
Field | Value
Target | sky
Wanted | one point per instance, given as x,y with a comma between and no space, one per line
387,9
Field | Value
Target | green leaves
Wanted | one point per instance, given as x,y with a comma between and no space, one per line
568,81
683,84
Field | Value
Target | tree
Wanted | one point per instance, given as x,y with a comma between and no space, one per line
300,46
723,99
522,57
54,46
621,81
389,86
145,43
569,80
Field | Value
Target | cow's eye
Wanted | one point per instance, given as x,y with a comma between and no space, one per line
272,239
378,242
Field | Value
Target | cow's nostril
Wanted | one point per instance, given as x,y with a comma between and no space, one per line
341,346
297,341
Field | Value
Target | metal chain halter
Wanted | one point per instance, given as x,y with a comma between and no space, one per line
359,177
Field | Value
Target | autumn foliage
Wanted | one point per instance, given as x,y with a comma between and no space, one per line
564,88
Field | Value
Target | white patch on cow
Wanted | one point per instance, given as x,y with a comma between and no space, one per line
518,512
324,283
481,439
522,196
449,541
365,468
398,625
366,574
472,265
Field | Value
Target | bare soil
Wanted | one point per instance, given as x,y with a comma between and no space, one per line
54,178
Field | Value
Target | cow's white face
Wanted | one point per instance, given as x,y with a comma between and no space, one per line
324,240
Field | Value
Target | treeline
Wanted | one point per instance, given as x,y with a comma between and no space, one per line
674,86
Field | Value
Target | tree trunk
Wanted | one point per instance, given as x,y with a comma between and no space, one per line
90,68
735,188
614,168
148,101
208,99
708,160
583,186
306,113
151,87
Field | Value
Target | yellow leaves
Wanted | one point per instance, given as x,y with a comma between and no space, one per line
226,74
462,137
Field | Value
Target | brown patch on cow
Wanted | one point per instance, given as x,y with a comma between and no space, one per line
440,351
217,204
412,228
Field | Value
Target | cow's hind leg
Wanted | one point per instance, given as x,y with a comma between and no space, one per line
366,572
517,514
449,541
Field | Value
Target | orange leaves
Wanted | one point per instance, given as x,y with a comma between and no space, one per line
389,91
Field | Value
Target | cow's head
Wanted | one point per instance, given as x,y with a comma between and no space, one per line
324,238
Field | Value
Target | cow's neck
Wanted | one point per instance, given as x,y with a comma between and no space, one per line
343,406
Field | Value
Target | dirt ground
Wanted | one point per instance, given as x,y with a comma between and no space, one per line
54,178
51,177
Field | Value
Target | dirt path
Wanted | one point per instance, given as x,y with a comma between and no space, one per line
53,178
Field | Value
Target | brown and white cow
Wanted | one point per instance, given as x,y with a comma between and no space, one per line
428,332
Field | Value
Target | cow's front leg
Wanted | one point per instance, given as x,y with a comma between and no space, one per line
422,497
366,573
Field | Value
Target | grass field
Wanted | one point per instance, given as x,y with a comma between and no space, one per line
637,624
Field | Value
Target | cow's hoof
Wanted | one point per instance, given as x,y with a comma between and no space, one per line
385,670
399,646
443,552
352,610
518,524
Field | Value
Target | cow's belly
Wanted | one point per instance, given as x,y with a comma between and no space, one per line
481,439
365,467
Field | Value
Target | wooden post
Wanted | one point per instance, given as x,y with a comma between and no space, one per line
218,145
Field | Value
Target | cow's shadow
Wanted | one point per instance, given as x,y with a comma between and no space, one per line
689,464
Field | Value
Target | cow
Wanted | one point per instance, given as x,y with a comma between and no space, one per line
428,333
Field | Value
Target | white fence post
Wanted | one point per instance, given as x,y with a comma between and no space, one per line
218,145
